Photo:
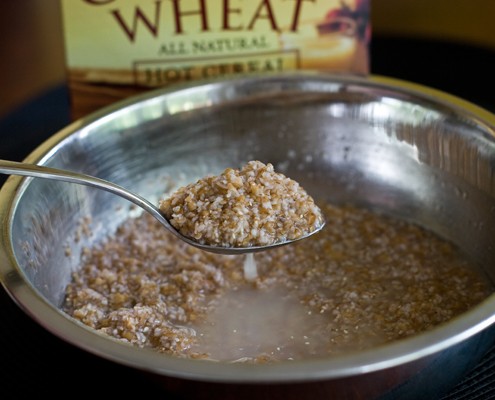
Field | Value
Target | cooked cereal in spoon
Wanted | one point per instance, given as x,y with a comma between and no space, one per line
252,206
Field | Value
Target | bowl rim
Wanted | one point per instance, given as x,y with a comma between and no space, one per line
378,358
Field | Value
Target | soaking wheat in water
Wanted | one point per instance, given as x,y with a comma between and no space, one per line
364,280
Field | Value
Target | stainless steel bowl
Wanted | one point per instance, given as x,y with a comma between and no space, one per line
400,147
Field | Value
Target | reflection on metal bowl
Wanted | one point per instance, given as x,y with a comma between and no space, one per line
382,143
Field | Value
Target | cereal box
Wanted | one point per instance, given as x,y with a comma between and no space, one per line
117,48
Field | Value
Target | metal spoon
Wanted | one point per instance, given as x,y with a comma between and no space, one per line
38,171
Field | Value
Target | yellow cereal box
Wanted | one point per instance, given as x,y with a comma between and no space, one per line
117,48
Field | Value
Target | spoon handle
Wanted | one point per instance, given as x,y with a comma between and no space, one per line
38,171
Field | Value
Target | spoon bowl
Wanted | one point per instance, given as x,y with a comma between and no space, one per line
38,171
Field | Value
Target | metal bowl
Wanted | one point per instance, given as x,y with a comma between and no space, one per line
403,148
